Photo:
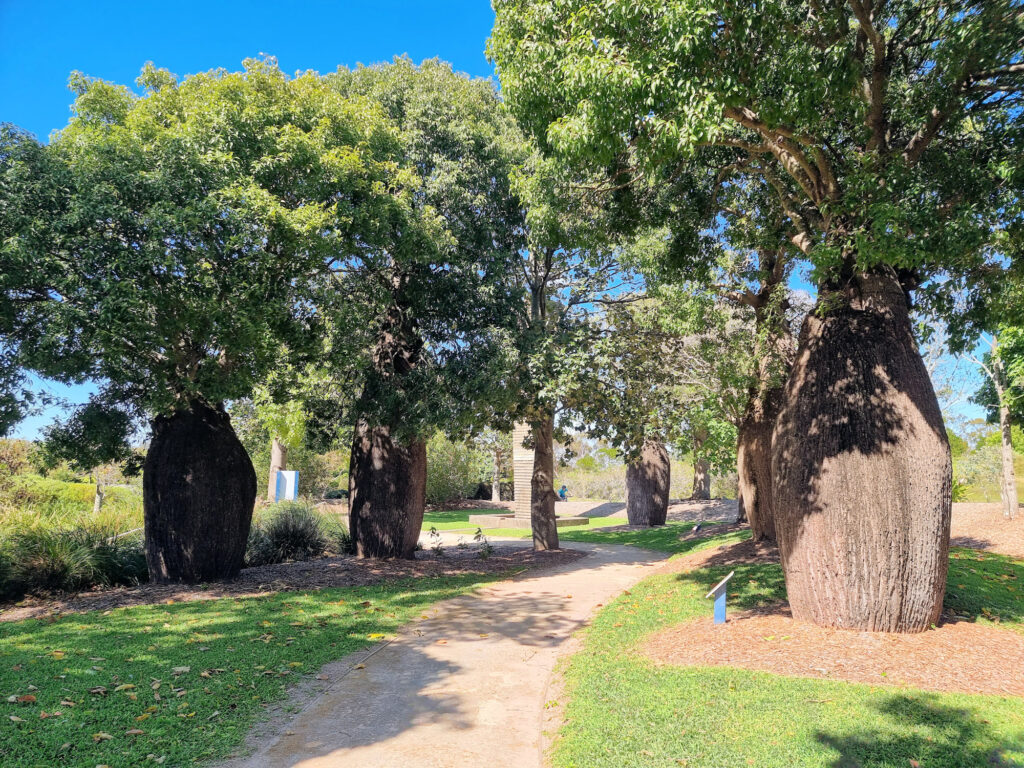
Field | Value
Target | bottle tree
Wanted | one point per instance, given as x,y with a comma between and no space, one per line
422,325
179,255
884,129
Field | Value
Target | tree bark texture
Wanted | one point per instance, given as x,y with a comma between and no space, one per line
862,469
647,484
278,462
701,480
199,488
754,461
542,502
774,358
387,493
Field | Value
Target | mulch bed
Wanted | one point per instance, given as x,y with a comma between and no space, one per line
955,656
309,575
982,526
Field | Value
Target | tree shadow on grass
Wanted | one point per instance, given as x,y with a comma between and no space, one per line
924,732
753,585
985,585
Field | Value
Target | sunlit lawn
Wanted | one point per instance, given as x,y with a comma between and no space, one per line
623,710
181,682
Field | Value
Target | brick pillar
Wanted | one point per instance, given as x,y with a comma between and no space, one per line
522,469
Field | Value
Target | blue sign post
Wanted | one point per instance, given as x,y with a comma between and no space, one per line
718,592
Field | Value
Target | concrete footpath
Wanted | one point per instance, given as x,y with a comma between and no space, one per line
465,687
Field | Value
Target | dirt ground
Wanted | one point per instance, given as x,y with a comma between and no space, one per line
982,526
312,574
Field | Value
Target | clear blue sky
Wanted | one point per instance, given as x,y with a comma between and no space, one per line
41,43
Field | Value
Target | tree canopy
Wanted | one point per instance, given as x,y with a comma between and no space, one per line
885,130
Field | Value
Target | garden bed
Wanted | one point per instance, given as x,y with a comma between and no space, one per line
312,574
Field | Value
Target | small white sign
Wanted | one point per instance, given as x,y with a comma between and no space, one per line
287,485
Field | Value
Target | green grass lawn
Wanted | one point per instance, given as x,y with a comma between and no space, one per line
462,519
622,710
191,678
454,519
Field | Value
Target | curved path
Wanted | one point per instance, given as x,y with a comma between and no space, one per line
465,687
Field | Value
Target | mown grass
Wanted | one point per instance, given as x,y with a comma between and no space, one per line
192,677
454,519
623,711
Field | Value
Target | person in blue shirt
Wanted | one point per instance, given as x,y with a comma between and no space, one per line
563,493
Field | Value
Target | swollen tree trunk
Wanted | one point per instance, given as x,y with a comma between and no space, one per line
647,484
278,462
542,486
1008,486
387,493
862,469
198,492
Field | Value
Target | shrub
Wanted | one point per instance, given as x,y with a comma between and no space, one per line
454,470
288,530
41,559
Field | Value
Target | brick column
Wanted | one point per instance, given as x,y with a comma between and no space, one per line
522,470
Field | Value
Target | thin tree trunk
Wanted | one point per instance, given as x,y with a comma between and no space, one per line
496,481
387,493
542,503
647,484
278,462
198,492
754,462
1008,487
701,471
862,469
97,499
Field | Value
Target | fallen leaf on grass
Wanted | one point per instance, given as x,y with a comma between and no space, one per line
28,698
17,719
181,670
101,736
124,687
134,732
67,703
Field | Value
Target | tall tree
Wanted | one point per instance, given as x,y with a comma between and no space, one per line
886,131
1002,395
420,322
180,259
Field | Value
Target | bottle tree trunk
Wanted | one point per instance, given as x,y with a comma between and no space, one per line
862,469
387,493
1008,486
278,462
542,486
647,484
198,492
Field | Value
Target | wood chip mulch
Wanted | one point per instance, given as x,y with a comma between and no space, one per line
308,575
955,656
